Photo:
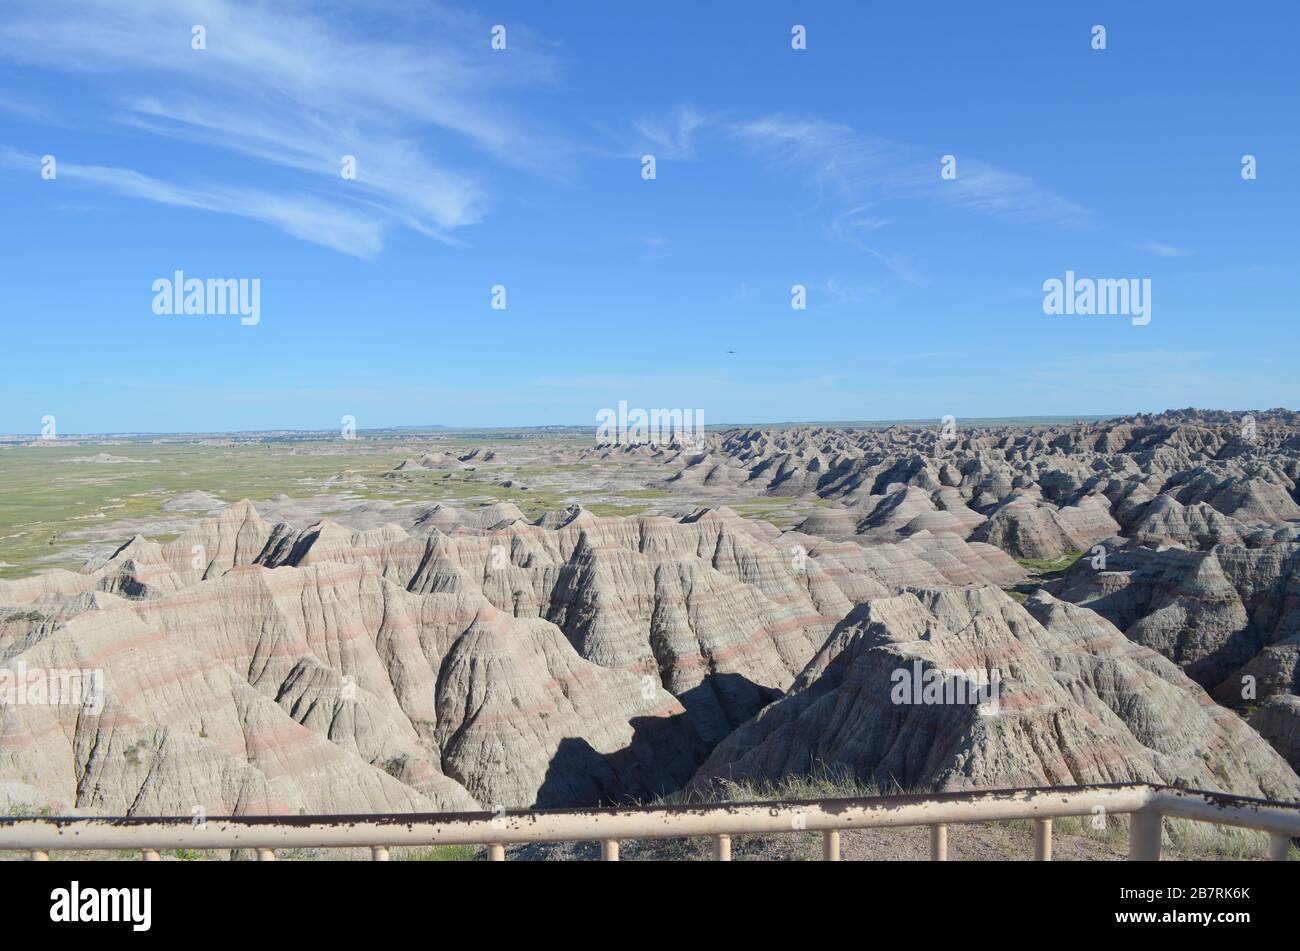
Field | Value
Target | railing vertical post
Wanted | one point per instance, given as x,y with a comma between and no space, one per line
266,855
831,845
150,855
1043,840
379,853
939,842
39,856
1278,844
1144,835
609,850
722,848
496,852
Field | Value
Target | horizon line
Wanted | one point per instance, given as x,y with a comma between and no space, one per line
430,428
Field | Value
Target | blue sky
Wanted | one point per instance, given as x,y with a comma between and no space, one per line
521,167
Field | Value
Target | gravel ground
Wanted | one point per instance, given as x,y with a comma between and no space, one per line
977,842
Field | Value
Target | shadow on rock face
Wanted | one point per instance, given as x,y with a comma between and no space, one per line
664,753
578,776
721,702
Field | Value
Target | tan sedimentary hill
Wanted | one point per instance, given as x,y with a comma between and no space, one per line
900,511
1079,703
489,660
697,603
1221,614
723,611
1195,513
468,655
1278,721
330,689
179,730
1027,527
1167,521
1188,477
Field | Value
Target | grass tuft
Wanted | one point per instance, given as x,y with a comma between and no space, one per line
1051,565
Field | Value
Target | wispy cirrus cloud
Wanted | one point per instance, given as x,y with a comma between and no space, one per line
24,108
856,226
1162,250
866,169
653,247
672,138
297,86
847,293
870,172
334,225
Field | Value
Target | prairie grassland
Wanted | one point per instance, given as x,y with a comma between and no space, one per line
56,504
45,495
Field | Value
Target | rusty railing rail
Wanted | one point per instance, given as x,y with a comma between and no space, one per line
1147,805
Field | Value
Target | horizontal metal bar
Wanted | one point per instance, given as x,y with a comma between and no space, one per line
284,832
1221,809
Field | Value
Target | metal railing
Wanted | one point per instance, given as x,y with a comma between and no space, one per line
1146,805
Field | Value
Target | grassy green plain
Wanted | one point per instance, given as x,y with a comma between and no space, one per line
45,496
48,498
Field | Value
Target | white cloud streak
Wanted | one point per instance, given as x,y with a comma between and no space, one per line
295,85
867,168
331,224
1162,250
867,171
672,138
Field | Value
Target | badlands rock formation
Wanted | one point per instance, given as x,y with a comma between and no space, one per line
421,657
258,667
1189,519
1190,522
1278,721
1230,615
1191,478
1078,703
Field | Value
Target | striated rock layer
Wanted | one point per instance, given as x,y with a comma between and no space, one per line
468,657
1077,703
1230,616
252,667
